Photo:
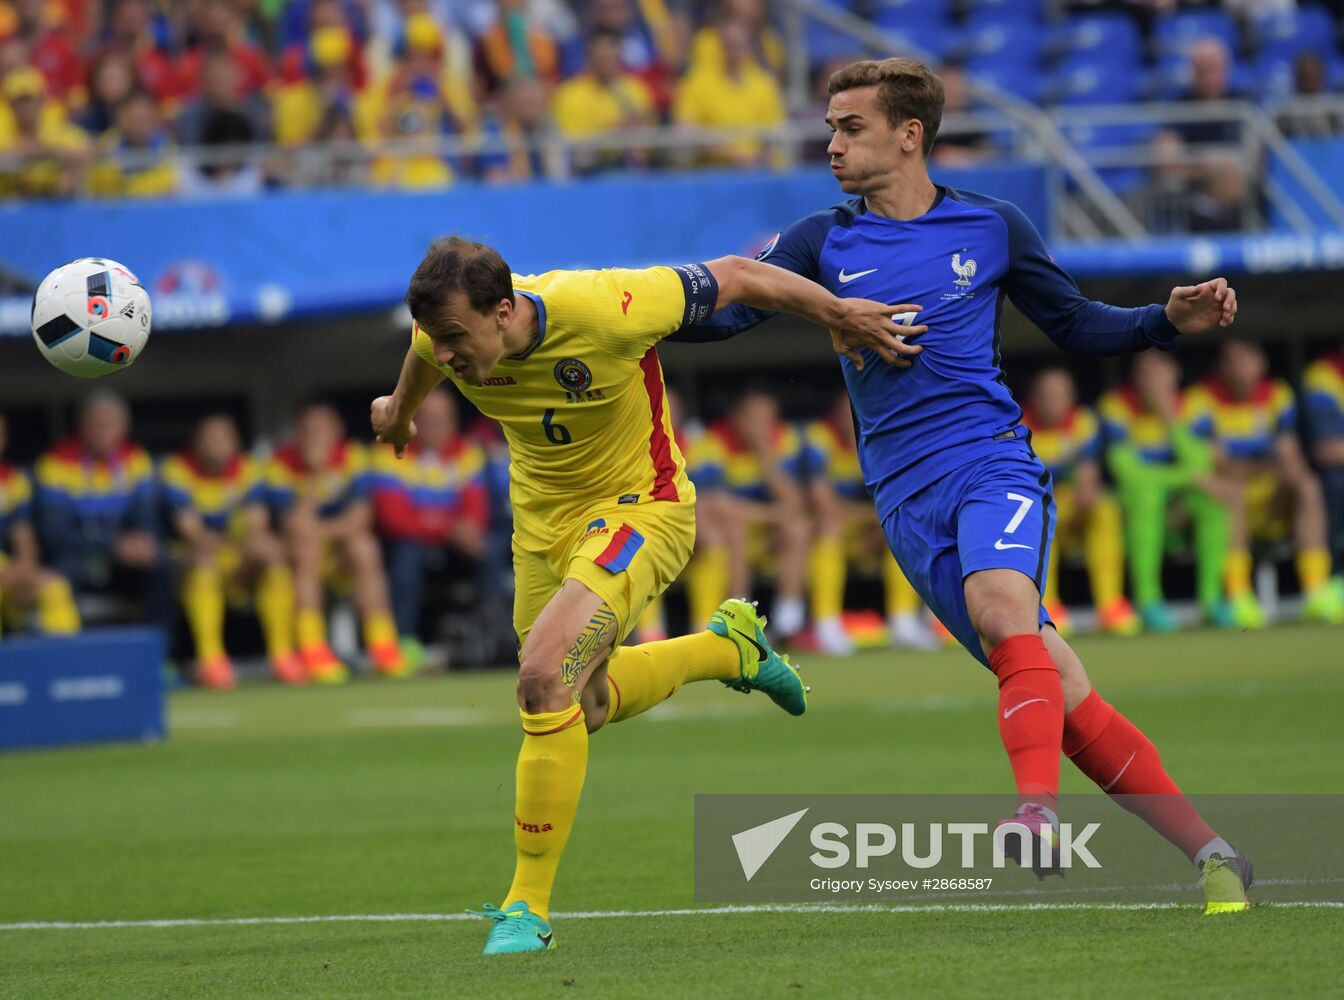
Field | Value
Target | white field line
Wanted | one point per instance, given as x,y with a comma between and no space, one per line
838,908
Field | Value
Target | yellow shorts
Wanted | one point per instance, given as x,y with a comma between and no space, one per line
1266,515
627,554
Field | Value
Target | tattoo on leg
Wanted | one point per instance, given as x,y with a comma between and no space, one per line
590,640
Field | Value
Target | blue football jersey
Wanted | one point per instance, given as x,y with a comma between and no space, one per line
959,260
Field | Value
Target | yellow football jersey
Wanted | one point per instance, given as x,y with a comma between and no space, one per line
584,409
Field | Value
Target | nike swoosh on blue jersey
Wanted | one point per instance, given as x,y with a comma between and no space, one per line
1000,545
845,279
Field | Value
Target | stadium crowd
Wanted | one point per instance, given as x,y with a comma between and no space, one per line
99,527
113,98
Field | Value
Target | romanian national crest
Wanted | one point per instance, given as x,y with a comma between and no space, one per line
573,375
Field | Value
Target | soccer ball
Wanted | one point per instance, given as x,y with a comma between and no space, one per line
91,317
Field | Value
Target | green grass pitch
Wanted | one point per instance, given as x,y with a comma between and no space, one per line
395,798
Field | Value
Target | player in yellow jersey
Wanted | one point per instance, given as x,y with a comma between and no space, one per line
1066,438
217,498
604,515
848,529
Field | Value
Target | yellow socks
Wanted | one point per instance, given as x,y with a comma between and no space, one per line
901,596
203,601
1238,574
1104,543
551,768
379,629
706,584
1313,569
56,611
275,608
643,676
828,578
312,628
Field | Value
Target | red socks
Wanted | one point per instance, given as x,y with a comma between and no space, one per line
1111,750
1031,716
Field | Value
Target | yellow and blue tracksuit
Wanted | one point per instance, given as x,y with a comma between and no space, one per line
85,504
1247,430
832,459
1062,449
718,462
222,499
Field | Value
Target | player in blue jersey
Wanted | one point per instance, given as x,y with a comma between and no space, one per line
966,506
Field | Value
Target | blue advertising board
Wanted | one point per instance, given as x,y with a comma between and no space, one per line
100,685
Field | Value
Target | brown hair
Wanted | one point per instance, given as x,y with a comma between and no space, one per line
906,88
453,264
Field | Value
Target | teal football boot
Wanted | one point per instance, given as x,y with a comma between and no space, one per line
762,668
517,930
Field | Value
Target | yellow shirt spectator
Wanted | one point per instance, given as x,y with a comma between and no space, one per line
586,106
36,129
134,157
603,99
748,99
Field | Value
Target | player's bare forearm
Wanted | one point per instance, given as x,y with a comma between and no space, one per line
190,526
1330,452
855,323
417,380
23,545
391,416
764,286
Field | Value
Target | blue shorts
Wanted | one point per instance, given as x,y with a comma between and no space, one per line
997,513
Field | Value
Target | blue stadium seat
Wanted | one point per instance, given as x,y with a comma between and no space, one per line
1287,34
825,43
1018,11
1013,43
1109,38
1173,33
1025,81
939,38
1083,79
912,11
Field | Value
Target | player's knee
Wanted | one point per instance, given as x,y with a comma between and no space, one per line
797,530
1003,620
1308,490
540,688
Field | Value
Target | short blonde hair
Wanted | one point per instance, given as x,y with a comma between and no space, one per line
906,88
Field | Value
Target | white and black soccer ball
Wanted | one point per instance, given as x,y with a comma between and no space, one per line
91,317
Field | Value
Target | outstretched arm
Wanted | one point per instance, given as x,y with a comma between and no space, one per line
1049,297
796,249
855,323
391,416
